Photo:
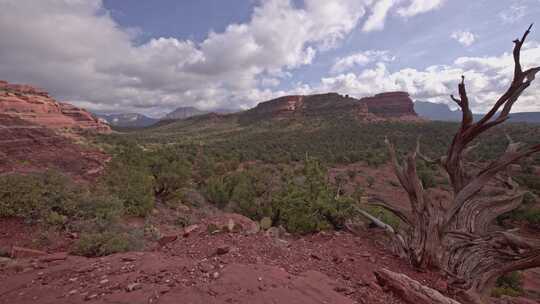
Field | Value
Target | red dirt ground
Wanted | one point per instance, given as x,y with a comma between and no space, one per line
332,267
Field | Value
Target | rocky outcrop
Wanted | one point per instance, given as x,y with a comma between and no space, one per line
27,147
38,107
381,107
391,105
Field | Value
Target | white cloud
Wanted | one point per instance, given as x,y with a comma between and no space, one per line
360,59
404,8
416,7
486,77
465,38
513,14
77,51
378,16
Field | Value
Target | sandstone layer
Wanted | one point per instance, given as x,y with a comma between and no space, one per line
38,107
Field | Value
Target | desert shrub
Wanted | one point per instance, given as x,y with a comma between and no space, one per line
526,213
426,173
532,216
309,204
509,285
98,210
48,197
171,172
53,200
529,198
531,181
106,243
217,191
129,178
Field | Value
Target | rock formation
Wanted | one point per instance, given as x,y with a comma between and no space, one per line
38,107
391,105
381,107
26,147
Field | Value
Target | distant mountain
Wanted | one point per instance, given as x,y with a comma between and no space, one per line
128,120
183,113
187,112
438,111
530,117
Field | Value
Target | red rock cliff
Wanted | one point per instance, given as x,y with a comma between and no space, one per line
38,107
384,106
391,105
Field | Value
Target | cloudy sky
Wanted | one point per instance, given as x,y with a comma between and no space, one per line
151,56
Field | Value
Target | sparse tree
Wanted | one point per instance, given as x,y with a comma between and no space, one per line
456,234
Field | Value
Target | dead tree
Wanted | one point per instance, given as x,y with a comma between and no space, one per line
457,236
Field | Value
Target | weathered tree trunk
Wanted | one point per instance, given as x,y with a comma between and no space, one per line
457,236
410,290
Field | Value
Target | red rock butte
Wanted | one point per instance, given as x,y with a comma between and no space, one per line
37,106
388,106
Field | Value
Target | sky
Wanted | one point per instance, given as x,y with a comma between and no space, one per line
152,56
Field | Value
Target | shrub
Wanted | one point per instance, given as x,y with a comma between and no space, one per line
48,197
171,172
309,204
217,191
510,285
128,176
426,173
106,243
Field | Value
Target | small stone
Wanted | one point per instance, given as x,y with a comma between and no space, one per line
103,282
72,292
189,230
215,275
133,286
90,297
166,239
129,259
230,225
316,256
206,267
221,250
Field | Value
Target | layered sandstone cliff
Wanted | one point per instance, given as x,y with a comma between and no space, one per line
27,147
381,107
38,107
391,105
